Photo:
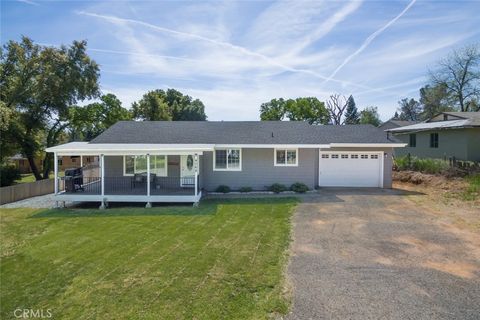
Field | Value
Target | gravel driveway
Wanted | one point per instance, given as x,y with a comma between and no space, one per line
374,254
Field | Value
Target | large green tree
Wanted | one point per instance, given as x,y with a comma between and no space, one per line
410,109
308,109
38,84
370,115
351,114
434,99
274,110
168,105
460,74
87,122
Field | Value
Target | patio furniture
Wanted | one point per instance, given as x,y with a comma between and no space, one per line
140,179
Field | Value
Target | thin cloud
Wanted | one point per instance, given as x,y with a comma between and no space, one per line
229,45
129,53
369,40
29,2
328,25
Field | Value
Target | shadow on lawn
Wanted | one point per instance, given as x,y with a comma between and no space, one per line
118,209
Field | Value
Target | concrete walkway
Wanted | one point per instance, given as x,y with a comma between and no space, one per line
373,254
45,201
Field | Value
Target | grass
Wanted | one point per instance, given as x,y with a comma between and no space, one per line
426,165
29,177
223,260
473,190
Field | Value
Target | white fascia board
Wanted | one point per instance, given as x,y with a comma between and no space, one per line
259,146
367,145
128,149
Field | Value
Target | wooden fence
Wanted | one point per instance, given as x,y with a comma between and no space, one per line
26,190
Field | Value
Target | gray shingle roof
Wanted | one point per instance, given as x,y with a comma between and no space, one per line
238,132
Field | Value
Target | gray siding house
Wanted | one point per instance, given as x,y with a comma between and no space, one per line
162,161
447,135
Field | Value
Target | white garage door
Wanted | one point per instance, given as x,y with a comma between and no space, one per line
350,169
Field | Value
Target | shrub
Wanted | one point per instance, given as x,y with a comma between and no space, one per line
8,174
299,187
277,187
223,189
246,189
422,165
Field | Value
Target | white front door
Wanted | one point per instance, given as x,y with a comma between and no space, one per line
187,171
350,169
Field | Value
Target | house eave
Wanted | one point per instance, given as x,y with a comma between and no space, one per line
368,145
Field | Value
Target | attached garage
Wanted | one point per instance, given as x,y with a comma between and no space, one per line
350,169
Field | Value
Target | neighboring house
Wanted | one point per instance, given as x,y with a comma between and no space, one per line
447,135
68,162
184,158
391,124
21,163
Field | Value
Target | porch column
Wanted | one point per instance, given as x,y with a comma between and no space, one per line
102,174
148,205
55,172
196,182
81,161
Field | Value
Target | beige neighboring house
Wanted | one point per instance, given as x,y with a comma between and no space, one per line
21,163
445,136
69,162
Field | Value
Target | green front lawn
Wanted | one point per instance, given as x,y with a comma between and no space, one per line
223,260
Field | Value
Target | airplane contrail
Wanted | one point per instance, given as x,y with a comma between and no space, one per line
368,41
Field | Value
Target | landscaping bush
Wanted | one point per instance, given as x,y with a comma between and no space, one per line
299,187
422,165
223,189
8,174
246,189
277,187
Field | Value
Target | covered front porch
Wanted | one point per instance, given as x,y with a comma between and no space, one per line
144,174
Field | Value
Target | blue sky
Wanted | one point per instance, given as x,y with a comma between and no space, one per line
236,55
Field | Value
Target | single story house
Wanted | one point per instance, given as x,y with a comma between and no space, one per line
21,163
392,123
68,162
175,161
447,135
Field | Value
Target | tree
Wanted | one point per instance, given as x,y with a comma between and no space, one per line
275,109
168,105
460,74
351,114
410,109
396,116
434,99
336,107
308,109
87,122
369,115
152,107
39,84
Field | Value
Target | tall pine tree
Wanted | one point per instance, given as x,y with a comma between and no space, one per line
351,115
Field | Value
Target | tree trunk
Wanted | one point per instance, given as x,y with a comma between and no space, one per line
33,166
47,165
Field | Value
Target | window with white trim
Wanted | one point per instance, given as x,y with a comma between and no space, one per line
344,156
227,159
286,157
374,156
334,156
138,164
364,156
354,156
325,156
